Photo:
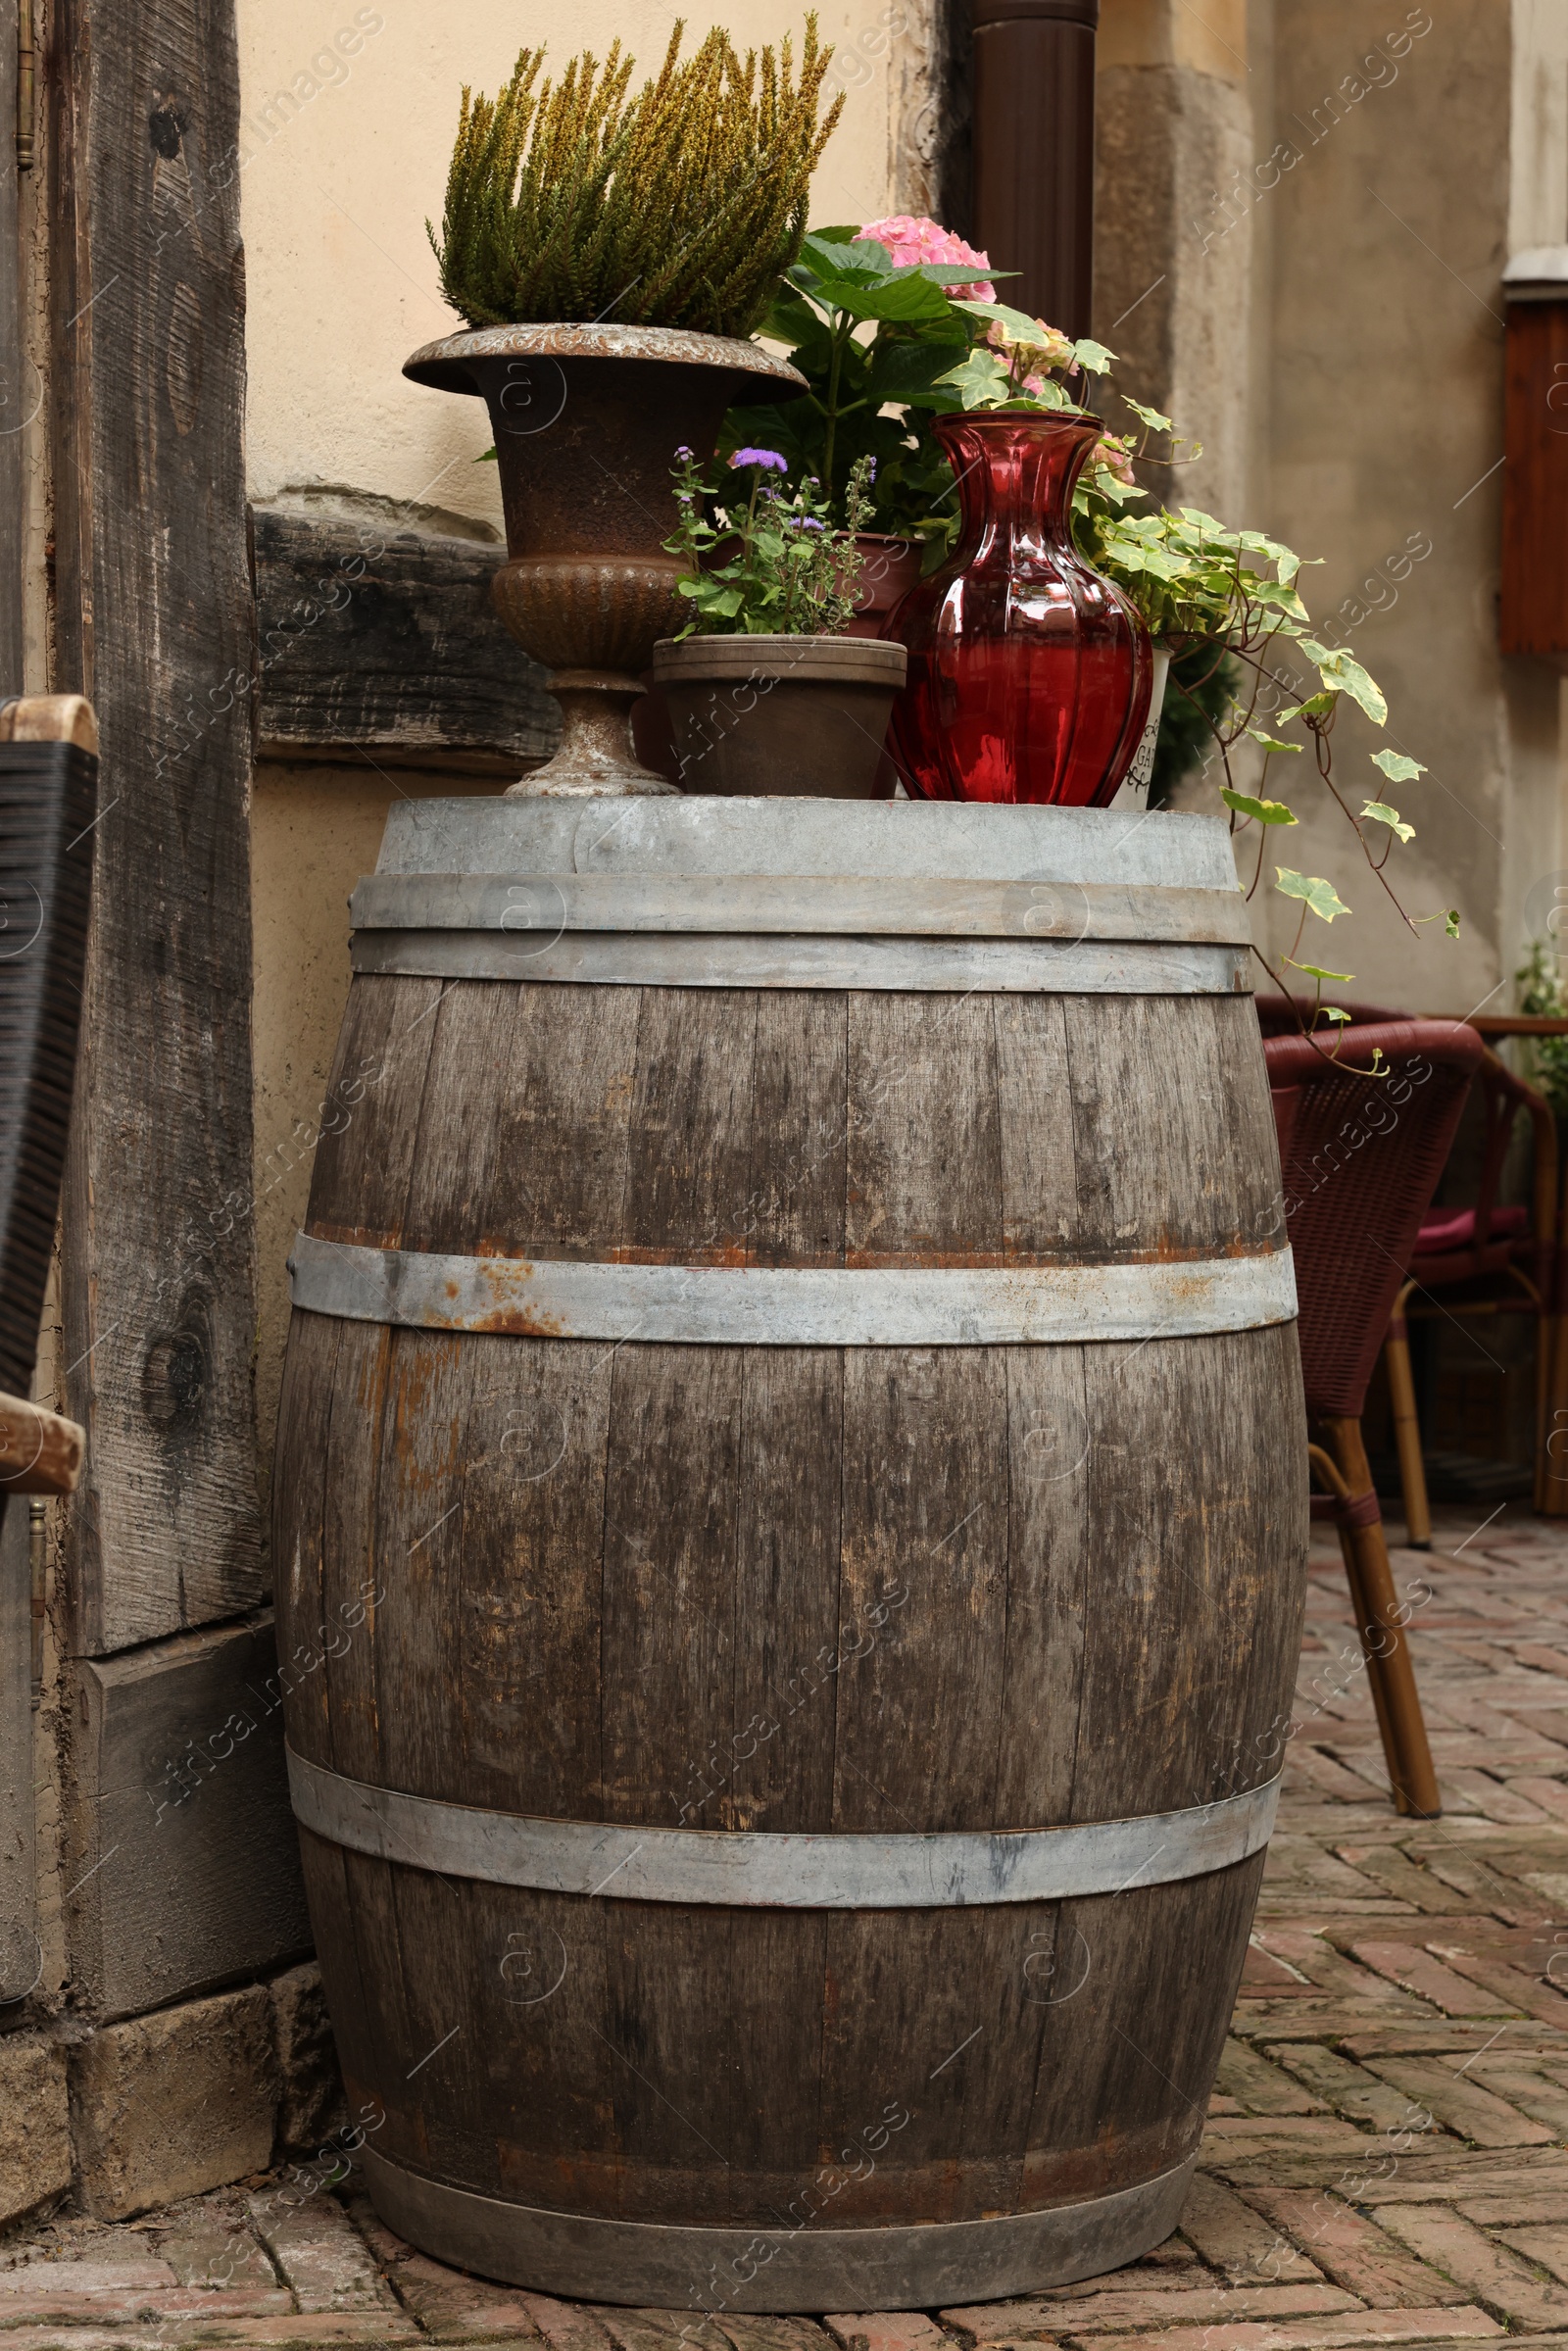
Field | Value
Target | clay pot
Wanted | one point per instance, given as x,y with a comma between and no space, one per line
795,718
892,568
587,420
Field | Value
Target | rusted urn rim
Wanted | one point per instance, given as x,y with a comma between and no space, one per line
449,365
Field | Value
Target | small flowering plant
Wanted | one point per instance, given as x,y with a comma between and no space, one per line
792,573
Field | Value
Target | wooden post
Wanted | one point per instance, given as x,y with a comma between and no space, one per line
155,623
12,370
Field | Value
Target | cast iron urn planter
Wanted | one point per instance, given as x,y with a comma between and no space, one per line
587,420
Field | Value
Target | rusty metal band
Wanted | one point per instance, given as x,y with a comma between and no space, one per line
785,2264
782,1870
533,907
729,1305
872,965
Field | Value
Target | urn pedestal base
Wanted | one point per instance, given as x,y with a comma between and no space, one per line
594,759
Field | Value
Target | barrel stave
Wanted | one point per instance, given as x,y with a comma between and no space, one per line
780,2039
360,1181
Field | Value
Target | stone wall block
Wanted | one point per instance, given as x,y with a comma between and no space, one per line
312,2104
170,2105
35,2124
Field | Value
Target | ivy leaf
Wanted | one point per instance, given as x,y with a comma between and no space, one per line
1093,356
982,381
1266,811
1342,675
1321,896
1450,922
1395,766
1335,1013
1147,416
1017,323
1381,813
1316,706
1271,741
1315,971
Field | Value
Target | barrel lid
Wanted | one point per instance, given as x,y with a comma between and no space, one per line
875,839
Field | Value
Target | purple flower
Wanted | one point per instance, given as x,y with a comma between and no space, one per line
810,522
684,453
762,457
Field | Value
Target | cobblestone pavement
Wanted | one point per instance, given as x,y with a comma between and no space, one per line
1386,2158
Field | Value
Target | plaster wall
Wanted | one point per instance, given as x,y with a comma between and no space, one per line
1378,449
348,115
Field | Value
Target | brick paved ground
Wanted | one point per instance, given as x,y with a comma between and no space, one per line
1387,2160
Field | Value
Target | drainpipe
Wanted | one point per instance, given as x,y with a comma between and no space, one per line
1034,152
24,95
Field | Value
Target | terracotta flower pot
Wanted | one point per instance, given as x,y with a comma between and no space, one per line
798,718
892,568
587,420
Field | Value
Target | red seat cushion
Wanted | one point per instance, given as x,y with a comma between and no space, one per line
1456,1228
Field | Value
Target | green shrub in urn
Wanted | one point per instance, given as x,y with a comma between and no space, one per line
678,205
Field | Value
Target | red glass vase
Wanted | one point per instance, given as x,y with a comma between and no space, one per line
1029,673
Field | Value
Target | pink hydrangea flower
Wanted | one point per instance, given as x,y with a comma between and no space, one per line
912,238
1113,455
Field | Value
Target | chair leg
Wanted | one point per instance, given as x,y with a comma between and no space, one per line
1407,1427
1552,1491
1389,1671
1546,1356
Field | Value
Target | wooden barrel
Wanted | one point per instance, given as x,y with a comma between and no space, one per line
790,1526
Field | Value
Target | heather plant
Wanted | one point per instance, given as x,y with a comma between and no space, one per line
679,205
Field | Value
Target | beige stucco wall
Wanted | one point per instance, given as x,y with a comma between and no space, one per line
344,156
348,113
1379,435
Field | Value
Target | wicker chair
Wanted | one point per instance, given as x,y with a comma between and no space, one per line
1361,1158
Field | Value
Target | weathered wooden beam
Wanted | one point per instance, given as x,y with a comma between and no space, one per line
15,374
385,641
180,1843
155,623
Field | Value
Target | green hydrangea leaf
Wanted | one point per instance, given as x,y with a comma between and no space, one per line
1321,896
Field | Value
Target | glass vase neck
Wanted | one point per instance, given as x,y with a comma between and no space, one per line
1021,467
